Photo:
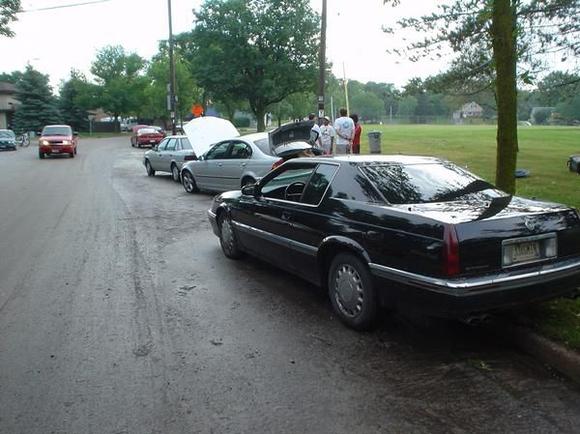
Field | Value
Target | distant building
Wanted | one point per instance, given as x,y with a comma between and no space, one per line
8,103
471,110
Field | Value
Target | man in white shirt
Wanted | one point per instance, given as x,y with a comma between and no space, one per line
327,136
344,127
315,132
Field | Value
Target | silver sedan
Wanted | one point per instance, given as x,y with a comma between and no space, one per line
169,156
230,164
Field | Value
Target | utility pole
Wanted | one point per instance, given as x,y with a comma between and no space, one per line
345,82
171,99
322,64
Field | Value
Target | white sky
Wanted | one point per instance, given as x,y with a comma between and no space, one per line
55,40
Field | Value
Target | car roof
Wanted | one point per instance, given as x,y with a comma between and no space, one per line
253,136
56,125
177,136
364,160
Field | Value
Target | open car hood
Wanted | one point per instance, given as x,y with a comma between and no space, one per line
292,132
205,131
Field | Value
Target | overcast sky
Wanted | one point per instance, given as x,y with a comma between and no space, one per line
55,40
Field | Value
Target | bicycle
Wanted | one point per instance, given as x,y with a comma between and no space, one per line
23,140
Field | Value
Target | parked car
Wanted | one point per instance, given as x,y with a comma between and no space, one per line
242,160
7,140
402,231
145,135
56,140
169,156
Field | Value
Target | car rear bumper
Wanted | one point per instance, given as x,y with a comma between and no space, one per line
456,296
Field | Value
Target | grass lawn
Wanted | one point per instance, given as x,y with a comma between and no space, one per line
543,151
86,135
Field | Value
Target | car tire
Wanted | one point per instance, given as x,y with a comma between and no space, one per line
138,145
188,182
41,155
149,169
72,154
352,293
175,173
228,237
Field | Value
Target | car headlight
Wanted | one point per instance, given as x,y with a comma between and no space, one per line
66,142
44,142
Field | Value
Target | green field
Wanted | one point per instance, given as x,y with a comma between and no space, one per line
543,150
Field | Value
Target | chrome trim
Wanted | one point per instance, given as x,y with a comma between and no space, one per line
509,242
211,214
478,285
277,239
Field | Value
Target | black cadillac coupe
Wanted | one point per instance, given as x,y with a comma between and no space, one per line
402,231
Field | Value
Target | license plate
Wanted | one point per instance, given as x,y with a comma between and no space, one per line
523,252
151,141
55,151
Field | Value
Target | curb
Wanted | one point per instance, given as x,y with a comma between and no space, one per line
555,355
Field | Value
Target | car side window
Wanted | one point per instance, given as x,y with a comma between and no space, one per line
162,145
171,145
318,183
288,184
218,152
240,150
185,145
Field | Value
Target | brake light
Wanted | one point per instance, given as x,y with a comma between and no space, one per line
450,251
277,163
189,158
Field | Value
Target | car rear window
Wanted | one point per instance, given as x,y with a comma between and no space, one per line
56,131
422,183
263,145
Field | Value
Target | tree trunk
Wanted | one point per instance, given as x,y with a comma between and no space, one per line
504,53
260,112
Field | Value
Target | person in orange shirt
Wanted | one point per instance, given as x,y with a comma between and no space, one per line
357,133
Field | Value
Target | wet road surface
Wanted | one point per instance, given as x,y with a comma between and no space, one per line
119,314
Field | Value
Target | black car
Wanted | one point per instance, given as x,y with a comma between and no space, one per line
402,231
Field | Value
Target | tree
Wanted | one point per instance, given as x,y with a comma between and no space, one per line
186,91
8,10
121,84
73,102
37,103
368,106
492,37
257,50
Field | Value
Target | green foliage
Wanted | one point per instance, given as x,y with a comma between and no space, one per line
367,105
259,50
241,122
121,88
73,101
8,9
37,103
186,90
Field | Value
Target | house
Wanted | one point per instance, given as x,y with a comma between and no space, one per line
471,110
8,103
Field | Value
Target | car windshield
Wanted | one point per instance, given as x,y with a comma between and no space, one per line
57,131
422,183
6,134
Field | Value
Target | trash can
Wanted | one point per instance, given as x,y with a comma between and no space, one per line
374,142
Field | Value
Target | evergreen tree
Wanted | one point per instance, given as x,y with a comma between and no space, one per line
73,112
37,103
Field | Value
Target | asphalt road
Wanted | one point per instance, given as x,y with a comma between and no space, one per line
119,314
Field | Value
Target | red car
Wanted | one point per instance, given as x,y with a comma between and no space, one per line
57,139
145,135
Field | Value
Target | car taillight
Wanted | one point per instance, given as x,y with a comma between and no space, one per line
189,158
450,251
277,163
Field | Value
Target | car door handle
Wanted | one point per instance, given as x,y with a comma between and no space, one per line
243,164
220,164
373,235
286,216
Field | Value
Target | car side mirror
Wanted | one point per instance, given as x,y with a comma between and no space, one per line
156,148
38,133
250,190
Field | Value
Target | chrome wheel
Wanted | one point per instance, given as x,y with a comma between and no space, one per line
188,182
228,238
349,290
174,173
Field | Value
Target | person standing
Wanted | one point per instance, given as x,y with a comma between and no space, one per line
327,136
344,127
315,132
357,134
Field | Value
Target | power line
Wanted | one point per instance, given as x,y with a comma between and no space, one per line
72,5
